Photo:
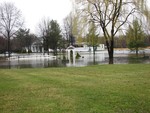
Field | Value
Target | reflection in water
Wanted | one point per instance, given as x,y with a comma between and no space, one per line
87,58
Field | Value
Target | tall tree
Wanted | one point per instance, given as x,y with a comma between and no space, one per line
74,27
54,36
69,28
44,28
10,21
135,36
110,15
51,34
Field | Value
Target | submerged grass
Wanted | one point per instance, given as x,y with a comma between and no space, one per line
93,89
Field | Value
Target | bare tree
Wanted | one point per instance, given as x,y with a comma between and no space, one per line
10,21
66,30
74,27
44,28
110,16
69,26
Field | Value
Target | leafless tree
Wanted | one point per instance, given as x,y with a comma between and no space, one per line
43,29
68,29
10,21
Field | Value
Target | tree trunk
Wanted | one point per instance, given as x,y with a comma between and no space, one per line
111,53
55,52
8,45
94,50
110,48
111,58
137,52
47,48
94,55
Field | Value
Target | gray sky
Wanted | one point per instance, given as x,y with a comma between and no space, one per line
34,10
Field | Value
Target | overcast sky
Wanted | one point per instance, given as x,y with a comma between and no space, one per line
34,10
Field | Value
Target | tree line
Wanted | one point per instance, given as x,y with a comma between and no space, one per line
90,22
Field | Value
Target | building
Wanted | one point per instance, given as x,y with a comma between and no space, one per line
37,46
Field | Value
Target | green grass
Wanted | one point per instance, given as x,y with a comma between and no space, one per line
93,89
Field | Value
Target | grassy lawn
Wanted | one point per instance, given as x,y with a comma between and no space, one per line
93,89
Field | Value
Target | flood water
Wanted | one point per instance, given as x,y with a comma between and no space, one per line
87,58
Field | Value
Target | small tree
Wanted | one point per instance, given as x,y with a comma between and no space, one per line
24,39
92,37
135,37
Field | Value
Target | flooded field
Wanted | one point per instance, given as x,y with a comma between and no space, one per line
87,58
